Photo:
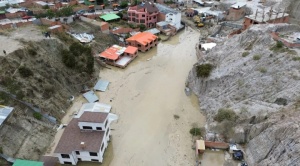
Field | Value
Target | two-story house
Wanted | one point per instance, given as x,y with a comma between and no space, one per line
86,137
144,41
144,13
169,15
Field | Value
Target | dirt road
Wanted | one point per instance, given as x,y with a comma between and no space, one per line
146,96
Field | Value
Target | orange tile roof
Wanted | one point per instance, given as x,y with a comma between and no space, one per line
112,52
143,38
131,50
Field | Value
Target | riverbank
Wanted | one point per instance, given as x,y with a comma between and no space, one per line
146,96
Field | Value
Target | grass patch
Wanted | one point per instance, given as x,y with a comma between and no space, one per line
204,70
225,114
296,58
262,70
245,54
195,131
256,57
37,115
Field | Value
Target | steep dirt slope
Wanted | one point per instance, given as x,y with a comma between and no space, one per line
47,83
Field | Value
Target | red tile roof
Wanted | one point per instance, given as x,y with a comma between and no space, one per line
72,138
96,117
143,38
131,50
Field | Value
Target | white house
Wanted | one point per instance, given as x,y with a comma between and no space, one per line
173,17
86,137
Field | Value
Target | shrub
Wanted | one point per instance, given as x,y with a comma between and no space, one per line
204,70
195,131
176,116
31,51
225,114
262,70
120,15
37,115
245,54
123,4
226,128
256,57
281,101
142,27
296,58
279,44
25,72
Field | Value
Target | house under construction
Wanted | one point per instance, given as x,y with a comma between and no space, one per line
263,17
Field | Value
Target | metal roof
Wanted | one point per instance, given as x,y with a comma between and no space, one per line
91,97
101,85
4,113
110,16
19,162
154,31
162,23
238,5
165,9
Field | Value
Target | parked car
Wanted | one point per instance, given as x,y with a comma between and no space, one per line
80,12
91,11
238,155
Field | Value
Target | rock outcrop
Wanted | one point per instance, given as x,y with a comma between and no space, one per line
257,78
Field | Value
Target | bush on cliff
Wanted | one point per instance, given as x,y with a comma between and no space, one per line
225,114
204,70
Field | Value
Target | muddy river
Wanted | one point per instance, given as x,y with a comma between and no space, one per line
146,96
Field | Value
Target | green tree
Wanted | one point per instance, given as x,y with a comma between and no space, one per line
142,27
124,4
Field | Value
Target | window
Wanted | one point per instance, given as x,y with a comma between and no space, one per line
65,156
93,154
142,21
79,159
107,131
95,160
102,146
77,152
133,14
68,163
143,15
98,128
139,45
154,17
105,123
87,127
133,19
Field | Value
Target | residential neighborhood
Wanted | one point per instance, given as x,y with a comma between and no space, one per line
149,82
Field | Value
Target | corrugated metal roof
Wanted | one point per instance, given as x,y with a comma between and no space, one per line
19,162
101,85
109,17
154,31
91,97
162,23
4,113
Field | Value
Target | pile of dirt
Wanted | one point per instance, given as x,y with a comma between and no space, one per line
254,76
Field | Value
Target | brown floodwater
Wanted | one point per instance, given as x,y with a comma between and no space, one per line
146,96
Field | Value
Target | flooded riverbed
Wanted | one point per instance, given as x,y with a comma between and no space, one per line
155,115
146,96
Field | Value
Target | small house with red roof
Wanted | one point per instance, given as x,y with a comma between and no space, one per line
144,41
119,56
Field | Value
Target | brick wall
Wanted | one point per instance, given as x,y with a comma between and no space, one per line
15,15
276,37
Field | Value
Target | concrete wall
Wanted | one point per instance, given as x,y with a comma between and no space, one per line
236,14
